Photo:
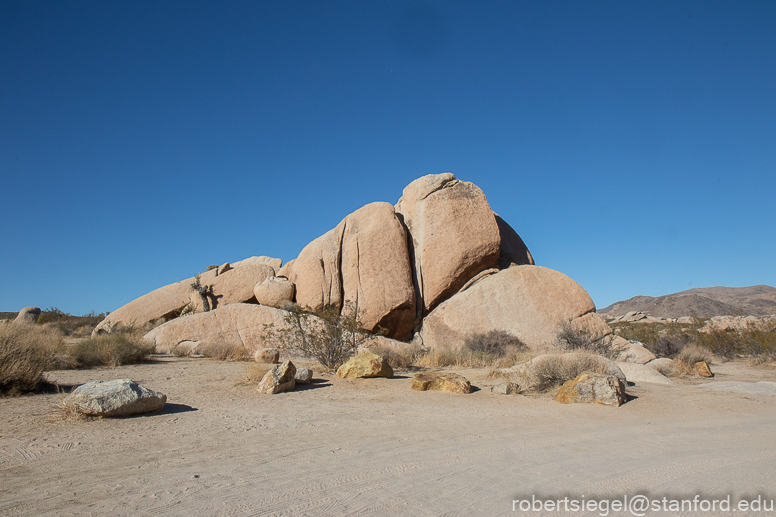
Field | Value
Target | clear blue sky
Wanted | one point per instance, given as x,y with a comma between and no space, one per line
632,144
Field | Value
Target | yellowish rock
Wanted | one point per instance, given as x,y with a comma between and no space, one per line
451,382
365,366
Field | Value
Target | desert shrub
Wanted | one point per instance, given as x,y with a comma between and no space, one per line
466,358
329,335
684,362
646,333
581,340
555,370
398,357
223,351
182,351
114,349
497,343
69,325
26,351
666,345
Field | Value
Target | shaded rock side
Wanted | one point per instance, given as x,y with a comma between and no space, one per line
28,315
364,366
452,382
239,323
513,251
454,235
280,379
365,261
526,301
115,398
167,302
591,387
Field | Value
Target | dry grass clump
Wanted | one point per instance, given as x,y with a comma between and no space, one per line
466,358
112,350
570,339
685,361
252,374
26,351
404,357
224,351
553,371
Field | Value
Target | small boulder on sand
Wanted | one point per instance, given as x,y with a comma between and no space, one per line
507,388
702,369
279,379
267,355
303,376
451,382
116,398
365,366
591,387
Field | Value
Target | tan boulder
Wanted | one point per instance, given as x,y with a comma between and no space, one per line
454,235
28,315
234,285
593,324
513,251
663,364
591,387
526,301
365,365
285,271
639,373
274,263
452,382
280,379
266,355
365,261
631,351
274,291
238,323
303,376
506,388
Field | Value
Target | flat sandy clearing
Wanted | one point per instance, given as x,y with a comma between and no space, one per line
375,447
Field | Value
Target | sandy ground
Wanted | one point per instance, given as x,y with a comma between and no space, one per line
375,447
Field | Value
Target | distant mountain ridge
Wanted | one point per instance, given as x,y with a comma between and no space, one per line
757,300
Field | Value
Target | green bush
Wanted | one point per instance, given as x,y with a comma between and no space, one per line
328,335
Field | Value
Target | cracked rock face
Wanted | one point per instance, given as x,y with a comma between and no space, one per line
365,261
454,235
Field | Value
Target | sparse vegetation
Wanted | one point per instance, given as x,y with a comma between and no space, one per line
223,351
669,339
398,357
497,343
204,292
116,349
571,339
328,335
69,325
253,374
555,370
26,351
466,358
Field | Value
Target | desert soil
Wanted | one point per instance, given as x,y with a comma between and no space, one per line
375,447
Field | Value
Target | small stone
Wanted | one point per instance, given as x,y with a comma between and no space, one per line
279,379
451,382
702,369
365,366
303,376
506,388
267,355
591,387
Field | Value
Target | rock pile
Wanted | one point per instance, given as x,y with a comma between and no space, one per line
438,268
